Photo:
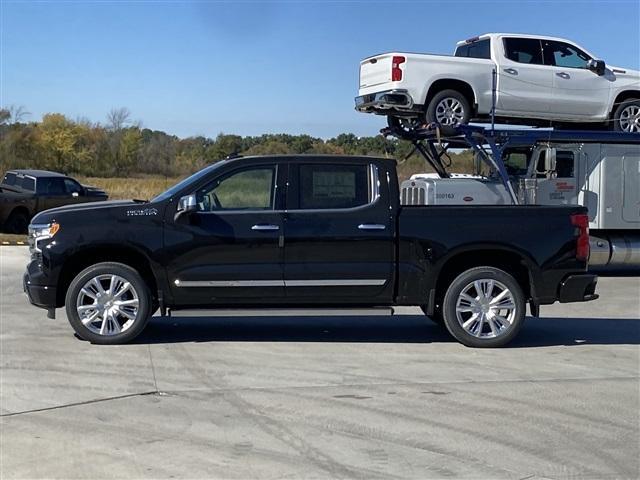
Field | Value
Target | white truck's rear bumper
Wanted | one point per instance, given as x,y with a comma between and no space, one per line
397,101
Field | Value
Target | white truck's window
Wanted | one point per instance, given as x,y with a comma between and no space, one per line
478,49
562,54
251,189
523,50
333,186
565,160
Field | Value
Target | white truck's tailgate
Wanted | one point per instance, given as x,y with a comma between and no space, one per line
375,70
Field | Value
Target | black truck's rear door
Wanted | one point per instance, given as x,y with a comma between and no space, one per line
338,232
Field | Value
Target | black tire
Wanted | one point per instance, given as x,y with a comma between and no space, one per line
436,317
407,124
432,116
465,281
621,110
17,222
137,284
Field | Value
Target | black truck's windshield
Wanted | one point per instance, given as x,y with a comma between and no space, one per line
187,181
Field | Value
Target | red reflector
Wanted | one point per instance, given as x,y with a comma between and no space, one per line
396,71
581,221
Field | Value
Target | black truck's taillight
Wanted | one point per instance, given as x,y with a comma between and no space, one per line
396,71
581,222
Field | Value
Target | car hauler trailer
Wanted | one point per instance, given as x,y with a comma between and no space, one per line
599,170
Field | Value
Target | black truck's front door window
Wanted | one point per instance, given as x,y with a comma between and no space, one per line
252,189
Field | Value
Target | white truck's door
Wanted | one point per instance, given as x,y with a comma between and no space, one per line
559,186
525,84
577,91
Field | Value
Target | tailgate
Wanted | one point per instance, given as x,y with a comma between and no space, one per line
375,70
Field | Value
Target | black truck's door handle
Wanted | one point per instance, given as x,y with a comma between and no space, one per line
371,226
263,227
564,75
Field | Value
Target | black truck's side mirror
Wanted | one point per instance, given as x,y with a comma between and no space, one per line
186,204
597,66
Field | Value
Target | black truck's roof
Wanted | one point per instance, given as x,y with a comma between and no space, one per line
306,157
36,173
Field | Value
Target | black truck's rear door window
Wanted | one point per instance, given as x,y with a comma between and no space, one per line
327,186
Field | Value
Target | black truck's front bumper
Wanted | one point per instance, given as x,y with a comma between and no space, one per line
42,296
39,287
578,288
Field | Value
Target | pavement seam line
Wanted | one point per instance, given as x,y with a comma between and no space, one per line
78,404
153,370
395,384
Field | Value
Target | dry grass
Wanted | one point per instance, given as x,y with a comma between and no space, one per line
134,187
12,239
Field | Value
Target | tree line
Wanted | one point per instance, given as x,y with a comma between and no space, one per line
121,147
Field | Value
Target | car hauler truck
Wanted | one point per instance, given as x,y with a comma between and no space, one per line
598,170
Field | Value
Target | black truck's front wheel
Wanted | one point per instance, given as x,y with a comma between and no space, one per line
108,303
484,307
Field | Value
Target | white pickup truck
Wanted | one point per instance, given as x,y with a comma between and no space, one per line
537,78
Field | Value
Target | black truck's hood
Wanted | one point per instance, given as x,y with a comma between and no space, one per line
97,207
94,191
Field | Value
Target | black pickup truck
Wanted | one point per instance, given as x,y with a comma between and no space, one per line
305,231
23,193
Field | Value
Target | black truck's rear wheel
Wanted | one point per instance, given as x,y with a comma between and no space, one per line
108,303
484,307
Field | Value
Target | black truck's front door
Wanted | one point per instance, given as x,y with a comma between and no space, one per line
339,233
229,251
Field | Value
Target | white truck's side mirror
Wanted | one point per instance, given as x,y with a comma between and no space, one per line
550,161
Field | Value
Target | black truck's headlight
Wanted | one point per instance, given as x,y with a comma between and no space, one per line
39,232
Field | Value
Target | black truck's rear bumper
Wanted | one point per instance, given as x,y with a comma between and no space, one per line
578,288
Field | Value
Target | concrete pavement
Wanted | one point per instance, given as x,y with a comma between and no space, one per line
321,397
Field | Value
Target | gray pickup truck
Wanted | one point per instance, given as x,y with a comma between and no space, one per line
24,193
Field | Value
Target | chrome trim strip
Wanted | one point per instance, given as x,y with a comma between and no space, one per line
280,283
334,283
229,283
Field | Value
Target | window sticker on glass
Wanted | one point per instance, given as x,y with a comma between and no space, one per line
334,185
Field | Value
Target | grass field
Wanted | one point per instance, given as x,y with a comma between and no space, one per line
143,188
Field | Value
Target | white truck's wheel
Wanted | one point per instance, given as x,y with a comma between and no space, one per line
626,118
448,108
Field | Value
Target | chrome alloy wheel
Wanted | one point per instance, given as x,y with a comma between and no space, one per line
107,304
449,111
630,119
486,308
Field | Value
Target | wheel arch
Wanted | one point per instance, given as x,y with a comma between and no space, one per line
511,261
86,257
623,97
452,84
